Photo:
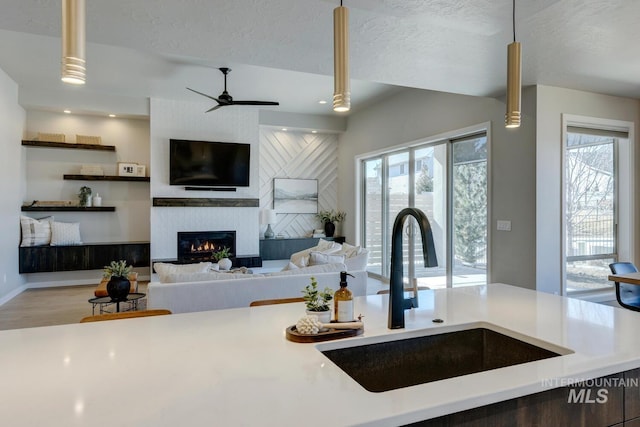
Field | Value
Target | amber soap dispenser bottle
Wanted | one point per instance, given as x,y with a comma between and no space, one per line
343,300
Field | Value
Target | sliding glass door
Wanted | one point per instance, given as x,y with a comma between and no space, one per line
447,180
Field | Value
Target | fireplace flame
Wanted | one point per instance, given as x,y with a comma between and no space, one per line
204,247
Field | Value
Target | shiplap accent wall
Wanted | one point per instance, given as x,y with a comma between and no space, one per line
188,120
298,155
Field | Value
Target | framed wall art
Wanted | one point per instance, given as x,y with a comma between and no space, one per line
296,196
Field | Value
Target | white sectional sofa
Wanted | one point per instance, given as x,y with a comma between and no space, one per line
182,291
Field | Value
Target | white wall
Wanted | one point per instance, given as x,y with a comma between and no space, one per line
413,115
46,166
552,103
188,120
12,119
304,155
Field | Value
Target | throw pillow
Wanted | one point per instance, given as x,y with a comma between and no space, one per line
35,232
316,258
327,247
65,234
164,269
349,251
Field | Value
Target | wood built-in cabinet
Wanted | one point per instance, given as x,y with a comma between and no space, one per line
90,256
606,401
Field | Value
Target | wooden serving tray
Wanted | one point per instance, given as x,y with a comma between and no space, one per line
331,334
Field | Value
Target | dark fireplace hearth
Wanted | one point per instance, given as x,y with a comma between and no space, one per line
196,246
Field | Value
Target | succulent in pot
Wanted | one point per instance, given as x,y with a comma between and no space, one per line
317,301
118,274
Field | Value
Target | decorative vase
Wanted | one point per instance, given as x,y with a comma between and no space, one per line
225,264
118,288
329,229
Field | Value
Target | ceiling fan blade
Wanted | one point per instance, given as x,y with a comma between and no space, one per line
215,108
255,102
204,94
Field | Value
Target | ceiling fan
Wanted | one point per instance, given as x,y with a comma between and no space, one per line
225,99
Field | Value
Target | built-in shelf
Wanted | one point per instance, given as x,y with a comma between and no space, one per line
49,144
68,209
106,178
179,202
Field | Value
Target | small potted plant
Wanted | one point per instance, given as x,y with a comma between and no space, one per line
329,219
317,301
221,256
118,274
85,196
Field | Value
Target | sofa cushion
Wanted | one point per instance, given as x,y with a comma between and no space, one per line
317,258
35,232
163,269
323,268
181,277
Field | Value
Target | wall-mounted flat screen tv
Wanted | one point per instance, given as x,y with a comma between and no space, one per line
207,163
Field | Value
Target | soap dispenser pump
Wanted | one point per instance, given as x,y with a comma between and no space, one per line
343,300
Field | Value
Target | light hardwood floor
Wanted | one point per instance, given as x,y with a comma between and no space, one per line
51,306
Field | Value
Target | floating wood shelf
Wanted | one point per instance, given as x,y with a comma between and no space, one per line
68,209
205,203
48,144
106,178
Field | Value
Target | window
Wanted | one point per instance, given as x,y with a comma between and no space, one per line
448,182
591,206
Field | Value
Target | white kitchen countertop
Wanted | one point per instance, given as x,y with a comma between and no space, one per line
235,367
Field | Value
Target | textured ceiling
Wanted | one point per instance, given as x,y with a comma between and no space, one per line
282,49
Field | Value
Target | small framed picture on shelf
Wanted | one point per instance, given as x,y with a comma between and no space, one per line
141,170
127,169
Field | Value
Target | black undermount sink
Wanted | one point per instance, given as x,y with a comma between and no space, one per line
390,365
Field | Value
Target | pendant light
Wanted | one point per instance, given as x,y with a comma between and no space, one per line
514,79
342,91
73,41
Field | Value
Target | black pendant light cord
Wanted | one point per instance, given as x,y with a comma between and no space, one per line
513,18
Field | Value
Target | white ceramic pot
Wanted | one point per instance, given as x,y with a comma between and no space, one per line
225,264
323,316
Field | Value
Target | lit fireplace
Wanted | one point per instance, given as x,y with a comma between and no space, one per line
200,245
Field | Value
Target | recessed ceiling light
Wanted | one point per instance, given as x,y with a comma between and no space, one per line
112,115
322,101
284,129
67,111
314,131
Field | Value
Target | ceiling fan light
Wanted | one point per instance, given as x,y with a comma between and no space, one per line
514,85
342,91
73,42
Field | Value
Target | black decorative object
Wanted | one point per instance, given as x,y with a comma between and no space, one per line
118,288
329,229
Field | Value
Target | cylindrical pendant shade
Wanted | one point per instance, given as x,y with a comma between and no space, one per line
342,90
73,41
514,85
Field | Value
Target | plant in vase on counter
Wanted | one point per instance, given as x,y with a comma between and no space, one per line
221,257
317,301
329,219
